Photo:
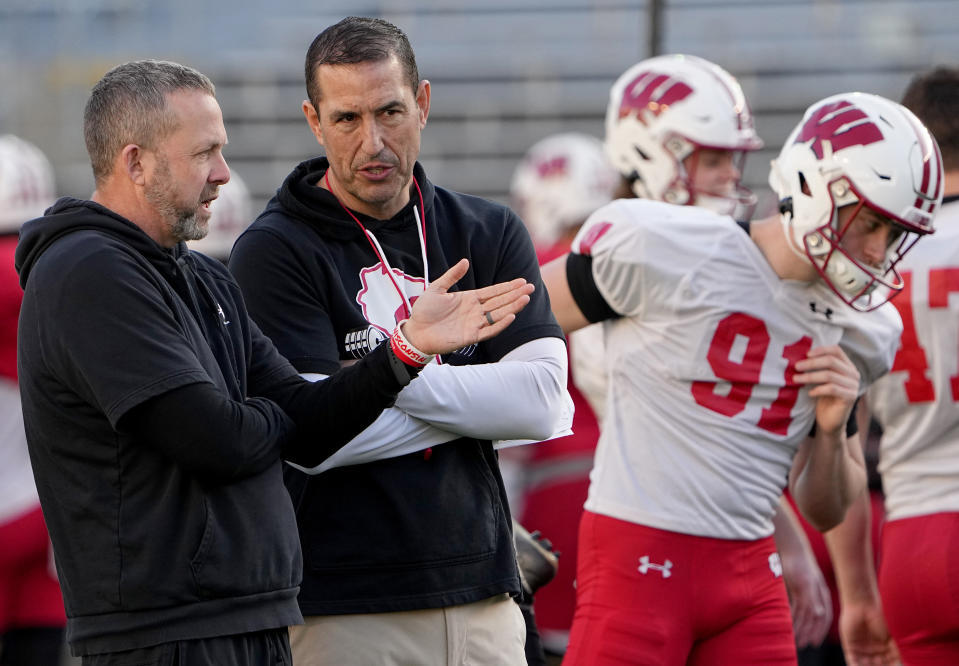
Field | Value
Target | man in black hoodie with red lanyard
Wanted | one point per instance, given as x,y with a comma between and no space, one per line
157,413
416,563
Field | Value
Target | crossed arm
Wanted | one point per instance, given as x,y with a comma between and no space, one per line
525,391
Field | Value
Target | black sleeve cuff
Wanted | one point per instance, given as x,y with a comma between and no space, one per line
579,275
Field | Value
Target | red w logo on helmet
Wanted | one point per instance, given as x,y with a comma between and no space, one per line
652,92
841,124
552,167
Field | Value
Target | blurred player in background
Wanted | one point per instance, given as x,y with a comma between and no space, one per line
917,405
725,346
31,608
559,182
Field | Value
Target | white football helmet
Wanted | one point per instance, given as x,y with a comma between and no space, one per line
661,110
229,217
26,183
559,182
864,150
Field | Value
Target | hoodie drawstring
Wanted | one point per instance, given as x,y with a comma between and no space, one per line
378,249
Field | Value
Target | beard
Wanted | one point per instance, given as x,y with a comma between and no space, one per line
181,219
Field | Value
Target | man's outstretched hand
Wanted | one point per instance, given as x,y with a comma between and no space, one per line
442,321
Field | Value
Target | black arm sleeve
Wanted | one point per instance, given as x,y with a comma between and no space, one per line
210,435
304,422
579,275
331,412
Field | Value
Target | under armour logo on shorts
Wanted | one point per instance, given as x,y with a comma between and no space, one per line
776,565
645,565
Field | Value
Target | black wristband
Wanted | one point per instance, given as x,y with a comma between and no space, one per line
403,372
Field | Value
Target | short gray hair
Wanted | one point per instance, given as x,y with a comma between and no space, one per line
128,105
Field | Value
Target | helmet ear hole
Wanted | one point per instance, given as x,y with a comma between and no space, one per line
803,185
786,206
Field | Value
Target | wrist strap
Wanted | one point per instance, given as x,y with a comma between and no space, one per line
405,351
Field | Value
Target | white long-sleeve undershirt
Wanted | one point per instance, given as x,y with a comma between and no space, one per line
520,397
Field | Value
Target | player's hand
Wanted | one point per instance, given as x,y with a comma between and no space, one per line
809,600
865,636
833,382
442,321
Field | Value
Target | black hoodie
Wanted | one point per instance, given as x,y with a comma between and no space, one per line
151,547
421,530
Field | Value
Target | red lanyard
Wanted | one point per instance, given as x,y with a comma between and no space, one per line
376,250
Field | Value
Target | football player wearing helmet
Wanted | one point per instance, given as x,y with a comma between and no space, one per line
917,405
31,608
678,127
735,359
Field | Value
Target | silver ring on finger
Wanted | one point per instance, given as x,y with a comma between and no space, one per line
489,318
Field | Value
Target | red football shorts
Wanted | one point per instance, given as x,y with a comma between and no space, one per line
919,586
648,596
29,591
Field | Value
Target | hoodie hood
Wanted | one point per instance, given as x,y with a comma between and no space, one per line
68,215
299,196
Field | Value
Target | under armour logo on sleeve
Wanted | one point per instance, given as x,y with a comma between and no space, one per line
815,309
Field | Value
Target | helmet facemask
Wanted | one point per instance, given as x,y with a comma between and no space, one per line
859,284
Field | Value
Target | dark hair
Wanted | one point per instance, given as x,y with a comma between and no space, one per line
128,105
934,97
354,40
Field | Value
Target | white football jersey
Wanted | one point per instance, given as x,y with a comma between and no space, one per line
702,419
587,366
917,404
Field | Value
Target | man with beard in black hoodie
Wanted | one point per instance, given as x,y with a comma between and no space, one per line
416,564
156,411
